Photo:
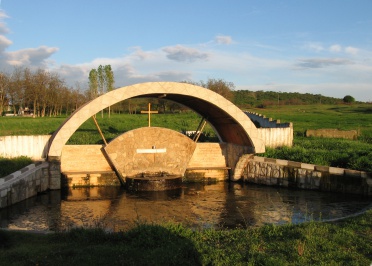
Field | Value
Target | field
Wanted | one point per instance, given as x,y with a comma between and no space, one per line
351,154
342,116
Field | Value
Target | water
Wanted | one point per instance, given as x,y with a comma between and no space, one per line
221,205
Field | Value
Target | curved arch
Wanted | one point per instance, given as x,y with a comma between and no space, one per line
230,122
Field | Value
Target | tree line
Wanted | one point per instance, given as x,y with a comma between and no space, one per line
43,93
37,93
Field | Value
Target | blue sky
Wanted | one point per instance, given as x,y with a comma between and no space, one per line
321,47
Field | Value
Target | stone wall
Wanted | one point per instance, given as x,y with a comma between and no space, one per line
85,165
275,172
272,132
150,150
332,133
214,161
35,147
24,183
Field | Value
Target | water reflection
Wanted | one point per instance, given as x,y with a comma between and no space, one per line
221,205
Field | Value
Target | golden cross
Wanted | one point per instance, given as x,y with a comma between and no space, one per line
149,112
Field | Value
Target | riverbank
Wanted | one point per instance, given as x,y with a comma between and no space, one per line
345,242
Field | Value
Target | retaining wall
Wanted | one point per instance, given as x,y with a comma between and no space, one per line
275,172
35,147
272,132
24,183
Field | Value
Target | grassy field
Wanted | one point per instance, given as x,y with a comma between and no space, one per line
331,152
347,242
303,117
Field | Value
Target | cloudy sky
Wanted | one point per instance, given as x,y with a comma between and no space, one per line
307,46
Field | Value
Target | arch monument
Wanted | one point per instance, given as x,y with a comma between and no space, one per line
158,150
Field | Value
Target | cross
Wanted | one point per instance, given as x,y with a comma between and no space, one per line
149,112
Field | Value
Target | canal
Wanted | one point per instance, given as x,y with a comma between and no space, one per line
197,205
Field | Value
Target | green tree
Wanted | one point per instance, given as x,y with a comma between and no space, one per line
93,84
348,99
220,86
109,80
101,80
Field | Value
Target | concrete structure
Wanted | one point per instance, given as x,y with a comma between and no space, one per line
275,172
35,147
272,132
25,183
229,122
131,153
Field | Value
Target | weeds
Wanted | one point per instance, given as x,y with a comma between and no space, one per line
11,165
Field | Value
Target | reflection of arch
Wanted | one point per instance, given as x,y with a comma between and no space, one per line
229,121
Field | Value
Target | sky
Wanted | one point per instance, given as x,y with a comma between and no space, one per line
306,46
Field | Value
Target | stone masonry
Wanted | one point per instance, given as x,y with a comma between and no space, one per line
274,172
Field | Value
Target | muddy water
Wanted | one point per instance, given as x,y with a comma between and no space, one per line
221,205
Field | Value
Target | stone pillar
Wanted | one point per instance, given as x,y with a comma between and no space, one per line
54,172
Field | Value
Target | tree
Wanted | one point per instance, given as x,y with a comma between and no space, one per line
93,84
109,81
348,99
4,83
220,86
101,80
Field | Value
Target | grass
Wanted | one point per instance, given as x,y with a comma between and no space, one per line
329,152
8,166
346,242
343,117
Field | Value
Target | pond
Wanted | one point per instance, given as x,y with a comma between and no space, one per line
196,205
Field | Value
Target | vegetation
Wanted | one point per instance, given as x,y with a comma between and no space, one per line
37,93
347,242
8,166
348,99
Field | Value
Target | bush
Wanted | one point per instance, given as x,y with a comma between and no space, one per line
11,165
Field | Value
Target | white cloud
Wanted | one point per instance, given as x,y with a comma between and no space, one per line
4,43
336,48
185,54
351,50
36,57
220,39
30,57
313,46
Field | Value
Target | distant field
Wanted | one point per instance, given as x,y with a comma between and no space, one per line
344,117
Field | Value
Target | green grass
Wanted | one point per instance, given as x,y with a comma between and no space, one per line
343,117
8,166
330,152
111,127
347,242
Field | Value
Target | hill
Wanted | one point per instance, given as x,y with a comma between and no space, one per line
262,99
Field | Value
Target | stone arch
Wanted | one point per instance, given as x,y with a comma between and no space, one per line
229,121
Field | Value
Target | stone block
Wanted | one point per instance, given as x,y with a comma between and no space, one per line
294,164
258,159
307,166
336,171
352,173
321,168
282,162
